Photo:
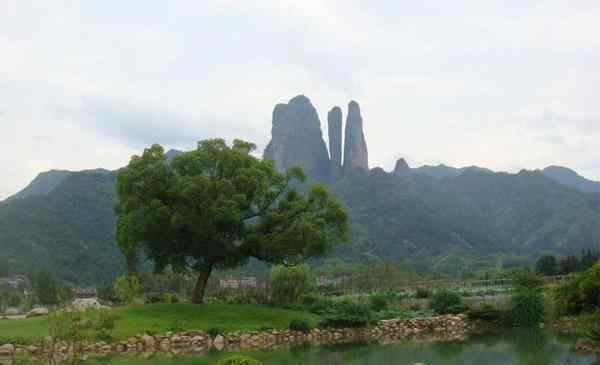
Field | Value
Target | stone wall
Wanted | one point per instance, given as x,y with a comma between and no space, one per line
449,327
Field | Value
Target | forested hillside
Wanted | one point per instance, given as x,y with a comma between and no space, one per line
69,231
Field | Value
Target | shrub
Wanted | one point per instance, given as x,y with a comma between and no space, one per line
308,300
445,301
169,298
347,314
104,324
581,294
127,289
215,331
288,284
378,302
239,360
527,279
300,325
422,293
528,307
486,313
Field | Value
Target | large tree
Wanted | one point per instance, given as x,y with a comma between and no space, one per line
219,205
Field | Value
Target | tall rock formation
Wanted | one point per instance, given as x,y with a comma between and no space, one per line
334,124
355,145
297,139
402,168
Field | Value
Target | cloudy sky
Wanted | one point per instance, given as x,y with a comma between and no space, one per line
507,84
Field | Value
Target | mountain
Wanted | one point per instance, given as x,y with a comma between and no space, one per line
438,218
69,230
572,179
44,183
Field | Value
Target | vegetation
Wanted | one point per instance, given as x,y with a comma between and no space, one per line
127,289
528,307
581,294
378,302
159,318
445,302
239,360
547,265
300,325
289,284
216,207
345,313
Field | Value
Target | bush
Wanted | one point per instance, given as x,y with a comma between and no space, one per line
527,279
215,331
300,325
169,298
581,294
127,289
239,360
378,302
347,314
486,313
104,324
422,293
309,300
528,307
289,284
445,302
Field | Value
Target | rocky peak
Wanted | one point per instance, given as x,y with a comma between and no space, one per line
355,145
401,167
297,138
334,123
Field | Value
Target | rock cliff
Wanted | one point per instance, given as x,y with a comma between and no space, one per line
297,139
334,123
355,145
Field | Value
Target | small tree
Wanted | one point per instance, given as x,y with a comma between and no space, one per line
288,284
127,289
528,308
46,288
547,265
218,206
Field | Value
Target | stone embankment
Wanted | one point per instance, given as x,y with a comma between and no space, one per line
450,327
588,346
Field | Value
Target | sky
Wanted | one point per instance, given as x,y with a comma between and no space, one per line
508,85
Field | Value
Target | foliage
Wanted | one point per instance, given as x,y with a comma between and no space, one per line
289,284
218,206
445,302
46,288
547,265
378,302
422,293
528,307
300,325
581,293
308,300
593,330
239,360
486,313
127,289
346,313
215,331
104,324
527,279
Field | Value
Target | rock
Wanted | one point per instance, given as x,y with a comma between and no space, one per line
37,312
7,350
334,123
402,168
356,154
297,139
149,341
219,342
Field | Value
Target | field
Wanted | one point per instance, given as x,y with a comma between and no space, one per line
160,318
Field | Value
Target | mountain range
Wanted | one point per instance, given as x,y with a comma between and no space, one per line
439,218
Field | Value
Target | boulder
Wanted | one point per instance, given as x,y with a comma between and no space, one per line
37,312
7,350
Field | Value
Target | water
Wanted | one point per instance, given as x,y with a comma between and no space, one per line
511,348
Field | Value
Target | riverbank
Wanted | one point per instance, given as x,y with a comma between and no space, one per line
449,327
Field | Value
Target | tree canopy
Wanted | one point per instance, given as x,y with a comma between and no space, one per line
218,206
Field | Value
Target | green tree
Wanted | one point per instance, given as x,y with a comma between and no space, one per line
127,289
288,284
547,265
219,206
46,288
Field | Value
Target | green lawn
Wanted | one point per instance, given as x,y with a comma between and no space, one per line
160,318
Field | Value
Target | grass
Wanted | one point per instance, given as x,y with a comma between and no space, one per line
161,318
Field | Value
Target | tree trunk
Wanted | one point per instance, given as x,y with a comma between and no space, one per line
200,287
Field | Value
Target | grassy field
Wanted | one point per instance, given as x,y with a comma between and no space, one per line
160,318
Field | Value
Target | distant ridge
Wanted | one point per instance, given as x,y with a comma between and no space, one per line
568,177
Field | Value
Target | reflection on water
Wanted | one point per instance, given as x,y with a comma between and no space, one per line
523,347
